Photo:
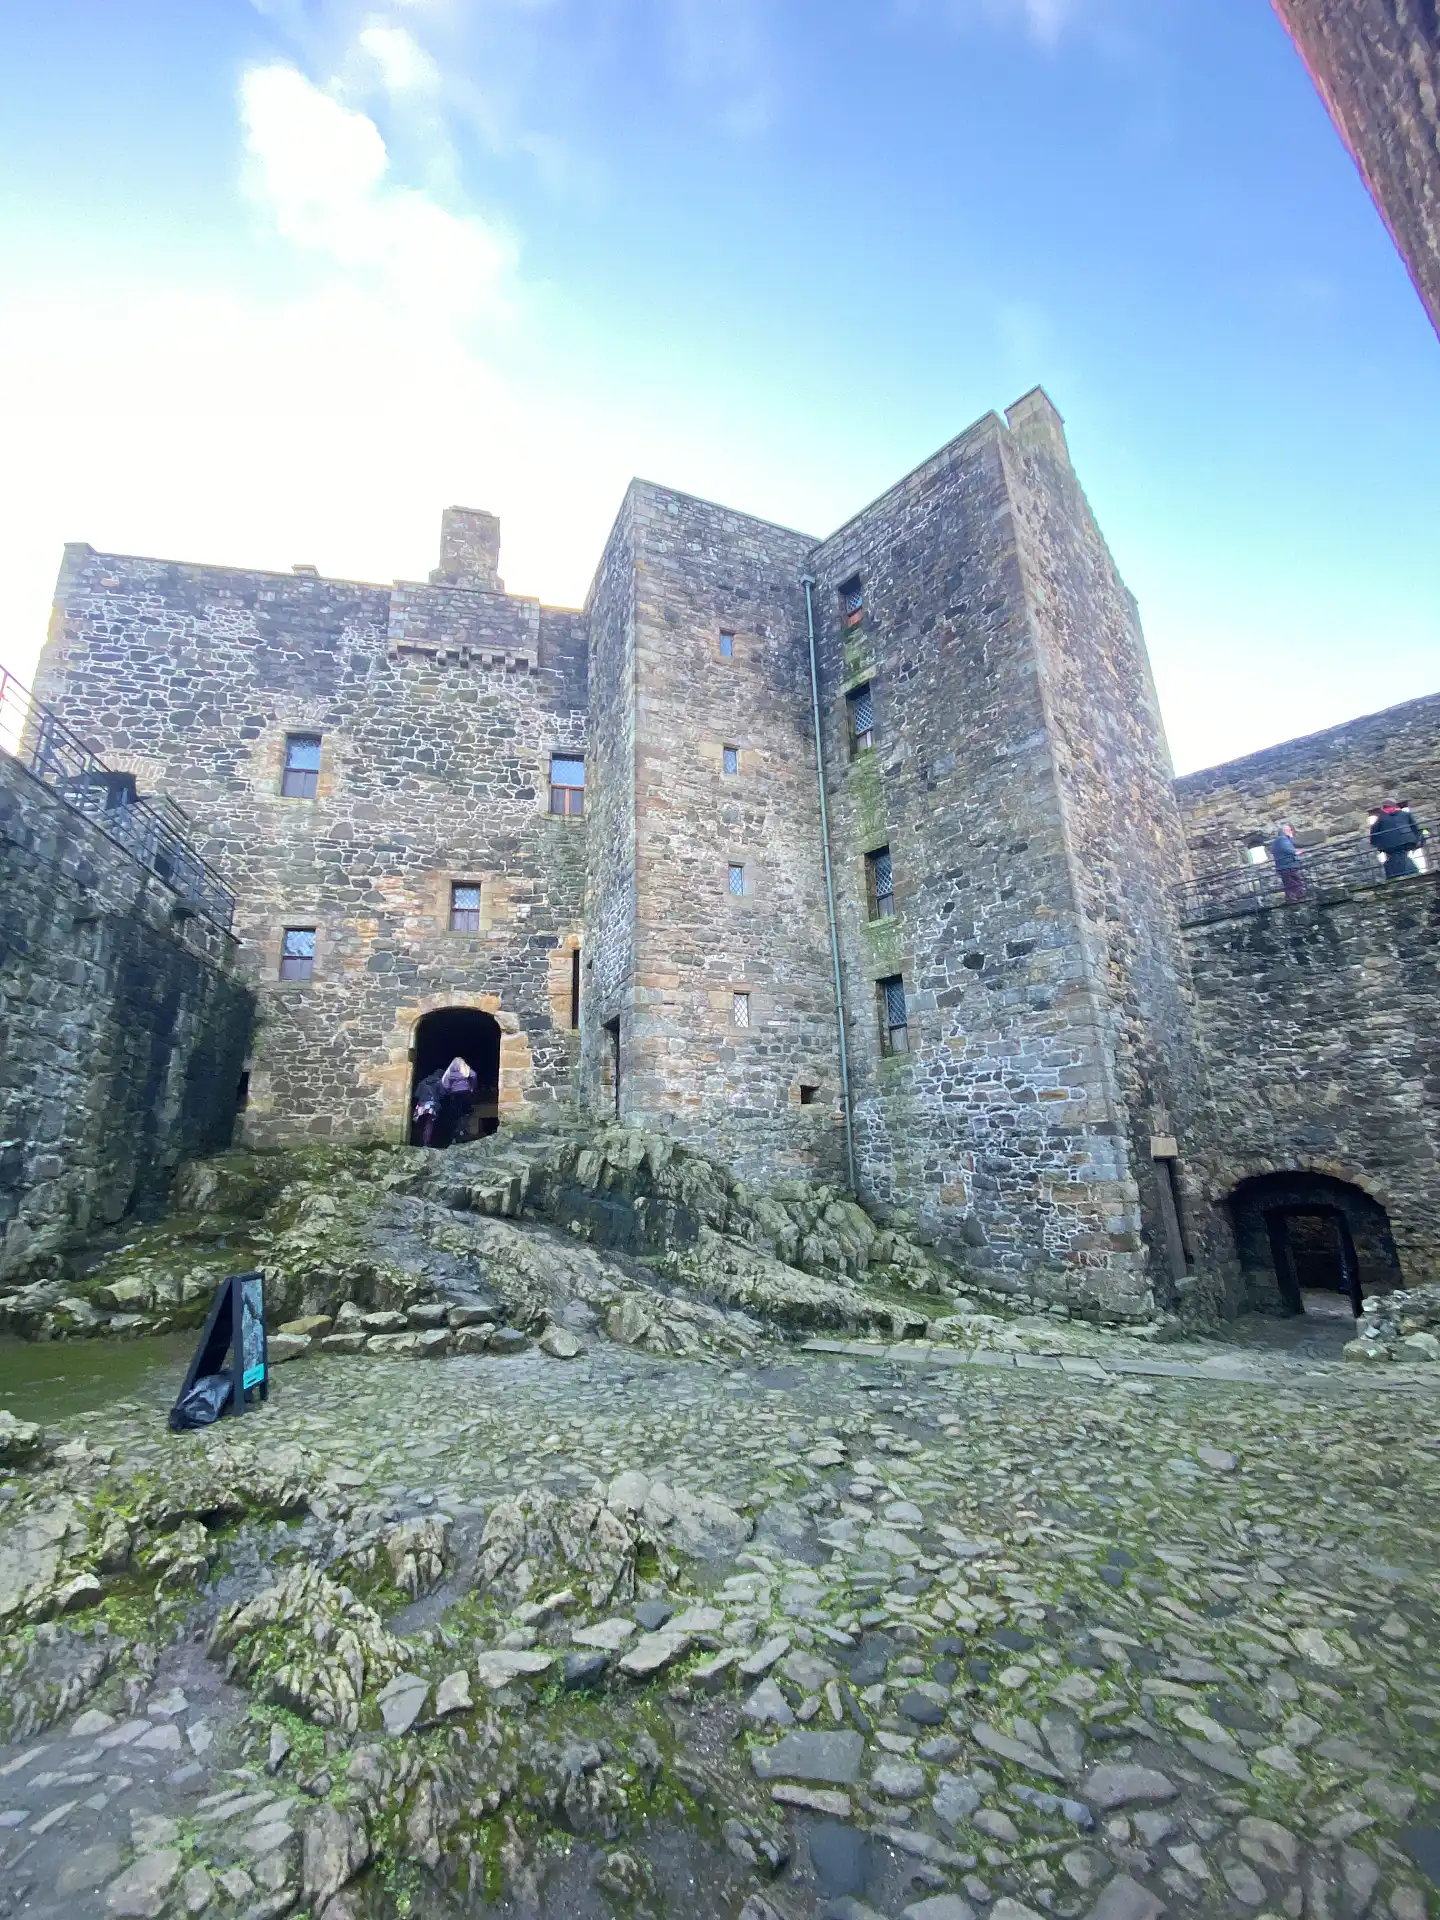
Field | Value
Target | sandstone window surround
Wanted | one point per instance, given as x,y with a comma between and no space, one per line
894,1015
729,761
880,884
464,906
852,601
740,1009
567,784
297,953
860,711
301,776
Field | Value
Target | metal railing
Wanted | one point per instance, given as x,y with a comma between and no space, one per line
152,832
1256,888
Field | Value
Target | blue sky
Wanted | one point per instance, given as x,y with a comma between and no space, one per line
281,278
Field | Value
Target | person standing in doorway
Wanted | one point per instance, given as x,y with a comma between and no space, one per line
1395,833
458,1086
427,1108
1286,855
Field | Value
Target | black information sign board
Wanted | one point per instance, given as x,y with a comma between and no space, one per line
233,1341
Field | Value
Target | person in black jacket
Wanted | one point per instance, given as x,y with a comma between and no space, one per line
1395,833
427,1107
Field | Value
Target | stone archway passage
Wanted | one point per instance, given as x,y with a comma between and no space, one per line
475,1037
1310,1243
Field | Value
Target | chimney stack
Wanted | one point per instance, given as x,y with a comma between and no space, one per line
469,550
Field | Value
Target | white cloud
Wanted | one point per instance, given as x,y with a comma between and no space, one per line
402,63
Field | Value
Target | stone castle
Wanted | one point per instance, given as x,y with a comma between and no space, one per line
856,858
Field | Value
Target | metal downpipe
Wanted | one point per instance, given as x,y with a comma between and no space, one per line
807,581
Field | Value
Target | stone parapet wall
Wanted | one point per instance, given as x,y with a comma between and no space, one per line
1324,784
1320,1028
122,1031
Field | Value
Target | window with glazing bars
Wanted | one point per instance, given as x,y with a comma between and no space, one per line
464,908
737,879
894,1024
860,703
297,953
740,1009
727,646
881,877
302,766
852,601
567,785
730,759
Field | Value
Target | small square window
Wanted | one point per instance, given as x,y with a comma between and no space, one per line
808,1094
567,785
852,601
740,1009
727,646
860,706
894,1020
730,759
297,953
880,883
464,909
302,766
737,879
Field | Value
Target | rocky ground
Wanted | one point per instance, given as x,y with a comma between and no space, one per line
790,1634
622,1542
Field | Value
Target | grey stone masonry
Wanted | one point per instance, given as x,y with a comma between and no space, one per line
122,1031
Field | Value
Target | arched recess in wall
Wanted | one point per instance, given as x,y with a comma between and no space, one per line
1309,1240
444,1035
397,1077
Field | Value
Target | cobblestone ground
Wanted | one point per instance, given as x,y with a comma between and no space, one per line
1006,1639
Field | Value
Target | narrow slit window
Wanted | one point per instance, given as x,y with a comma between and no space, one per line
740,1009
894,1018
737,879
297,953
860,703
852,601
302,766
727,646
242,1092
464,908
567,785
575,989
881,878
730,759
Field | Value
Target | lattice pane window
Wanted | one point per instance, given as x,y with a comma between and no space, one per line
464,909
567,785
302,766
740,1009
730,760
727,646
852,601
297,953
737,879
894,1019
882,884
861,703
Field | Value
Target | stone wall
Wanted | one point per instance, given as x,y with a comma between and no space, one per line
1324,783
1320,1025
1376,64
438,709
988,601
122,1031
689,1063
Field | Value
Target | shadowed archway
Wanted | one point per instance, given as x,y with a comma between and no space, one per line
473,1036
1311,1244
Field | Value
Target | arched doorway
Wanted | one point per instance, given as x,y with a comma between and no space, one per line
1312,1244
473,1036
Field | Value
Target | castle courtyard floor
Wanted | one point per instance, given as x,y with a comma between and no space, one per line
1110,1636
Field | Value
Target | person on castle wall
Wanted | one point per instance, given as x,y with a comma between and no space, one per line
427,1106
458,1086
1286,855
1395,833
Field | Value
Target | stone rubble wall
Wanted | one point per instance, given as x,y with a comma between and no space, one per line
1324,784
1320,1026
122,1031
438,710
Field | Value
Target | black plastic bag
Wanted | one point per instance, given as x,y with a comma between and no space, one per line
203,1404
